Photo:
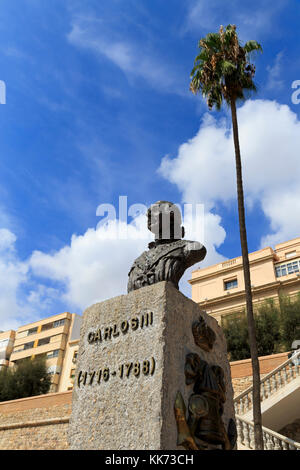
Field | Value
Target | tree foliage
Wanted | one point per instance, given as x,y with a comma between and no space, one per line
28,378
290,320
222,69
277,326
267,322
236,331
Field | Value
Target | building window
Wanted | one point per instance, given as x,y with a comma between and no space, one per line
230,284
287,268
29,345
53,353
72,374
59,323
44,341
48,326
54,324
32,331
291,254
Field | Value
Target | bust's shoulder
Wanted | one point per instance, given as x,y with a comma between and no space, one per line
157,251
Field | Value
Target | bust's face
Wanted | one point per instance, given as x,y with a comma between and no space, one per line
164,220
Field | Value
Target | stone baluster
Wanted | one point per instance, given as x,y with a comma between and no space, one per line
269,442
252,439
274,383
242,406
269,387
247,435
285,374
240,431
272,441
265,439
264,391
291,370
279,379
247,402
277,443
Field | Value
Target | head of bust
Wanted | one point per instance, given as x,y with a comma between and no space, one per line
164,220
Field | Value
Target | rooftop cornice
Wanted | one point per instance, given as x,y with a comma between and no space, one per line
229,269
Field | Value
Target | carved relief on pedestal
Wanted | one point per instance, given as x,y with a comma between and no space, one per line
204,336
203,427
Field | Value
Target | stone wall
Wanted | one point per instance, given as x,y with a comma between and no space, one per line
38,423
266,363
241,371
240,384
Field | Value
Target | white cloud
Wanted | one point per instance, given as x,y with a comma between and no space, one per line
196,169
92,268
204,169
135,59
95,266
211,235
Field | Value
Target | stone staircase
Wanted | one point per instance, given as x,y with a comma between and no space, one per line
273,382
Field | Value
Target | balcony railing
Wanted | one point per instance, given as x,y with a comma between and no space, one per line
226,264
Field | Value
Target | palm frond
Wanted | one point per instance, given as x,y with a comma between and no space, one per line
251,46
227,67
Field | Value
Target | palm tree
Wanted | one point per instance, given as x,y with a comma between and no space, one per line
222,71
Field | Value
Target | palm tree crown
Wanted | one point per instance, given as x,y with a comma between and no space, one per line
222,69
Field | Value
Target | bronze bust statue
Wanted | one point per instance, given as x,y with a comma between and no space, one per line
168,256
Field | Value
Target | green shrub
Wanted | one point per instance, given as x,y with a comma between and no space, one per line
276,328
28,378
289,320
236,332
267,323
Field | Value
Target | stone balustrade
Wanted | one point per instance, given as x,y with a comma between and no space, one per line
272,440
270,384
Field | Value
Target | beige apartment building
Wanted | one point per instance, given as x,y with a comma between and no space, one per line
51,337
220,288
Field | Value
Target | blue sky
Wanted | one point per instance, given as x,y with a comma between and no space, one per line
98,106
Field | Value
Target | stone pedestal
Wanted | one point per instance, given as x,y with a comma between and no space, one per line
130,367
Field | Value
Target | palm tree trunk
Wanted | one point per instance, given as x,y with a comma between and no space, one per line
258,436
